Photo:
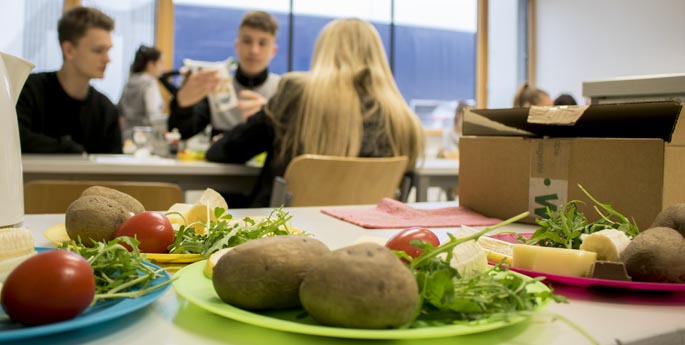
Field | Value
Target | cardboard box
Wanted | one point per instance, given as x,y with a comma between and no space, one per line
631,156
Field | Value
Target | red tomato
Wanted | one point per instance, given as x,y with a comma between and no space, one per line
401,240
48,287
152,229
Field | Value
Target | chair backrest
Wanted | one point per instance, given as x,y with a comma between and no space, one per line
315,180
54,196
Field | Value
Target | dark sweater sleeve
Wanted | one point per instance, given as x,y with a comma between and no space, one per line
189,120
112,130
30,108
243,141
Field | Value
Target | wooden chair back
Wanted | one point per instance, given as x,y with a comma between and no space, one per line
316,180
54,196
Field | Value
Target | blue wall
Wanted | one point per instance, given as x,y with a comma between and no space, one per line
435,64
429,63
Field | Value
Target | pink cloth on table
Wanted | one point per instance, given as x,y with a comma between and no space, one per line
391,213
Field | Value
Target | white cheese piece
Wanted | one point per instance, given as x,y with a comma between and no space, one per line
468,258
560,261
608,244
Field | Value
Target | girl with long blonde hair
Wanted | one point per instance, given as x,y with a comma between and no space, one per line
347,105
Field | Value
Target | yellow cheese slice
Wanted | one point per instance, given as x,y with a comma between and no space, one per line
192,213
212,199
57,234
560,261
497,250
202,211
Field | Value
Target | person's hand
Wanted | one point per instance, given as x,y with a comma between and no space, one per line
217,137
197,86
250,103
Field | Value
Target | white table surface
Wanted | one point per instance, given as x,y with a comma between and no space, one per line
610,317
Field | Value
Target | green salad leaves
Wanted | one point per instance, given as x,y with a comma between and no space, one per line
118,272
223,233
447,298
564,227
123,273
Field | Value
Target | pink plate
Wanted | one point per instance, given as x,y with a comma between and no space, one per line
604,283
590,282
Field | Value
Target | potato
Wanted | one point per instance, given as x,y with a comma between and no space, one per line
130,203
94,218
671,217
655,255
361,286
266,273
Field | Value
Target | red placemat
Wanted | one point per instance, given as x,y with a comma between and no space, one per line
391,213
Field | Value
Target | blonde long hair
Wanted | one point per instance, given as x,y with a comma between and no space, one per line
350,82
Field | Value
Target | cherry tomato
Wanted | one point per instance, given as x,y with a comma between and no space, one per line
152,229
48,287
402,240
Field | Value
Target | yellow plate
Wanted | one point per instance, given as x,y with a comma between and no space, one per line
58,234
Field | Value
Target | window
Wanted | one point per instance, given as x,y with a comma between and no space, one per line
507,50
310,16
206,30
435,56
31,32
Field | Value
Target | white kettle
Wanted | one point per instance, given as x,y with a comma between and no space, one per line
13,74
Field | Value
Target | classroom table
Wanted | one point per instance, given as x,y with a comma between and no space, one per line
436,172
195,175
611,317
189,174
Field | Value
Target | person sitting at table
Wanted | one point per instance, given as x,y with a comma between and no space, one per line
451,136
255,47
60,112
141,99
528,95
348,104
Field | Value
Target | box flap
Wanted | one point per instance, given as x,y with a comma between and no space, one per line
627,120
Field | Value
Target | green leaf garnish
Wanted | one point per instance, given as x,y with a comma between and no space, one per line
222,234
564,228
445,297
118,272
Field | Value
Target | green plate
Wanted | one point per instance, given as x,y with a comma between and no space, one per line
192,285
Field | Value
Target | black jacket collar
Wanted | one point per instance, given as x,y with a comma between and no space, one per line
254,81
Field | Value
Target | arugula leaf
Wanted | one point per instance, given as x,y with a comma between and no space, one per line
221,234
118,272
564,228
447,298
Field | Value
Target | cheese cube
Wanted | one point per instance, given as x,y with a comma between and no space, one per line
560,261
